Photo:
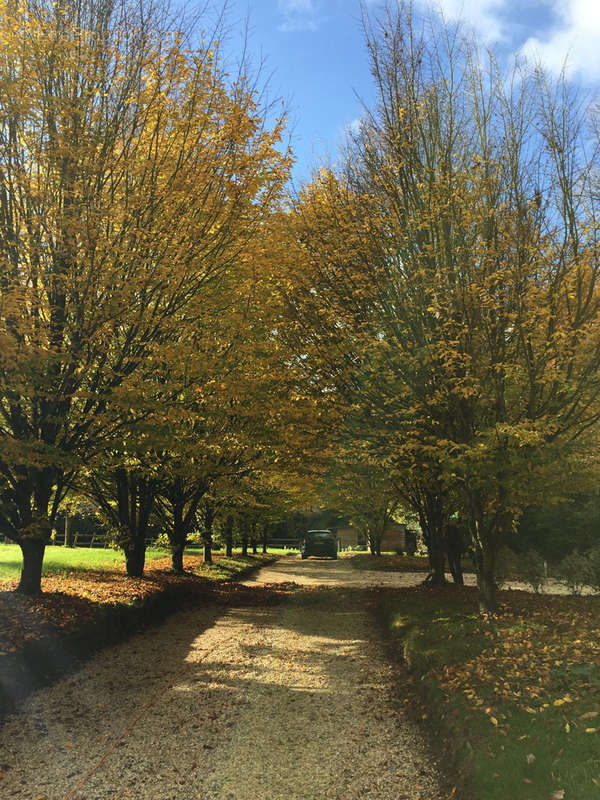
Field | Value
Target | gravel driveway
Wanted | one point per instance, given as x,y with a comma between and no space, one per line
327,572
274,702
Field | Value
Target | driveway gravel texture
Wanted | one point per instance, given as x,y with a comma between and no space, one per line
287,700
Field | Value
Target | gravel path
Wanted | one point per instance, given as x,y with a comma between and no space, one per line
285,702
325,572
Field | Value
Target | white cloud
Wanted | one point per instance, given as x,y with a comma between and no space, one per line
297,15
574,39
354,126
485,16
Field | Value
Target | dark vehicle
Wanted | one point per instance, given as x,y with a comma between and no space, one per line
319,543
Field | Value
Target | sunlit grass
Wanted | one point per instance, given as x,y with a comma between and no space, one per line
59,560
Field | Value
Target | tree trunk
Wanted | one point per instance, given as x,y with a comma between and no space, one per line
265,538
31,571
208,559
455,566
437,564
177,558
454,551
135,495
135,559
485,536
254,547
375,545
179,530
207,536
431,519
485,564
244,538
229,536
68,531
488,589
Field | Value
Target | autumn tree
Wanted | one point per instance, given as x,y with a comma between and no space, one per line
448,273
131,171
362,491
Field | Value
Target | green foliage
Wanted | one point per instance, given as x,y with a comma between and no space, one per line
506,566
555,530
594,568
575,570
531,569
193,540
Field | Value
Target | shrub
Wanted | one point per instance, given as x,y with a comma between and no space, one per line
506,566
532,569
162,540
575,571
594,568
193,540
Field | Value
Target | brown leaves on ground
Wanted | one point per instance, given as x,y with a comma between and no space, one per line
69,600
534,646
390,563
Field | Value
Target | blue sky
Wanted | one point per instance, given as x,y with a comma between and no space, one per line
314,53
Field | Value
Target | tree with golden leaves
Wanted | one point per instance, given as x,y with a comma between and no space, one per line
131,173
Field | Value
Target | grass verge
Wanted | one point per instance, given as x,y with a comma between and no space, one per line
514,698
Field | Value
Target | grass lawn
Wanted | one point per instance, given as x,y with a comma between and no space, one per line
515,697
65,559
59,560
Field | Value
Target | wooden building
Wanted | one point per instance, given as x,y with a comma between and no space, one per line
396,538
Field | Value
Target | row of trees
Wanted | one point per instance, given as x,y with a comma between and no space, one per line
418,329
446,286
137,362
